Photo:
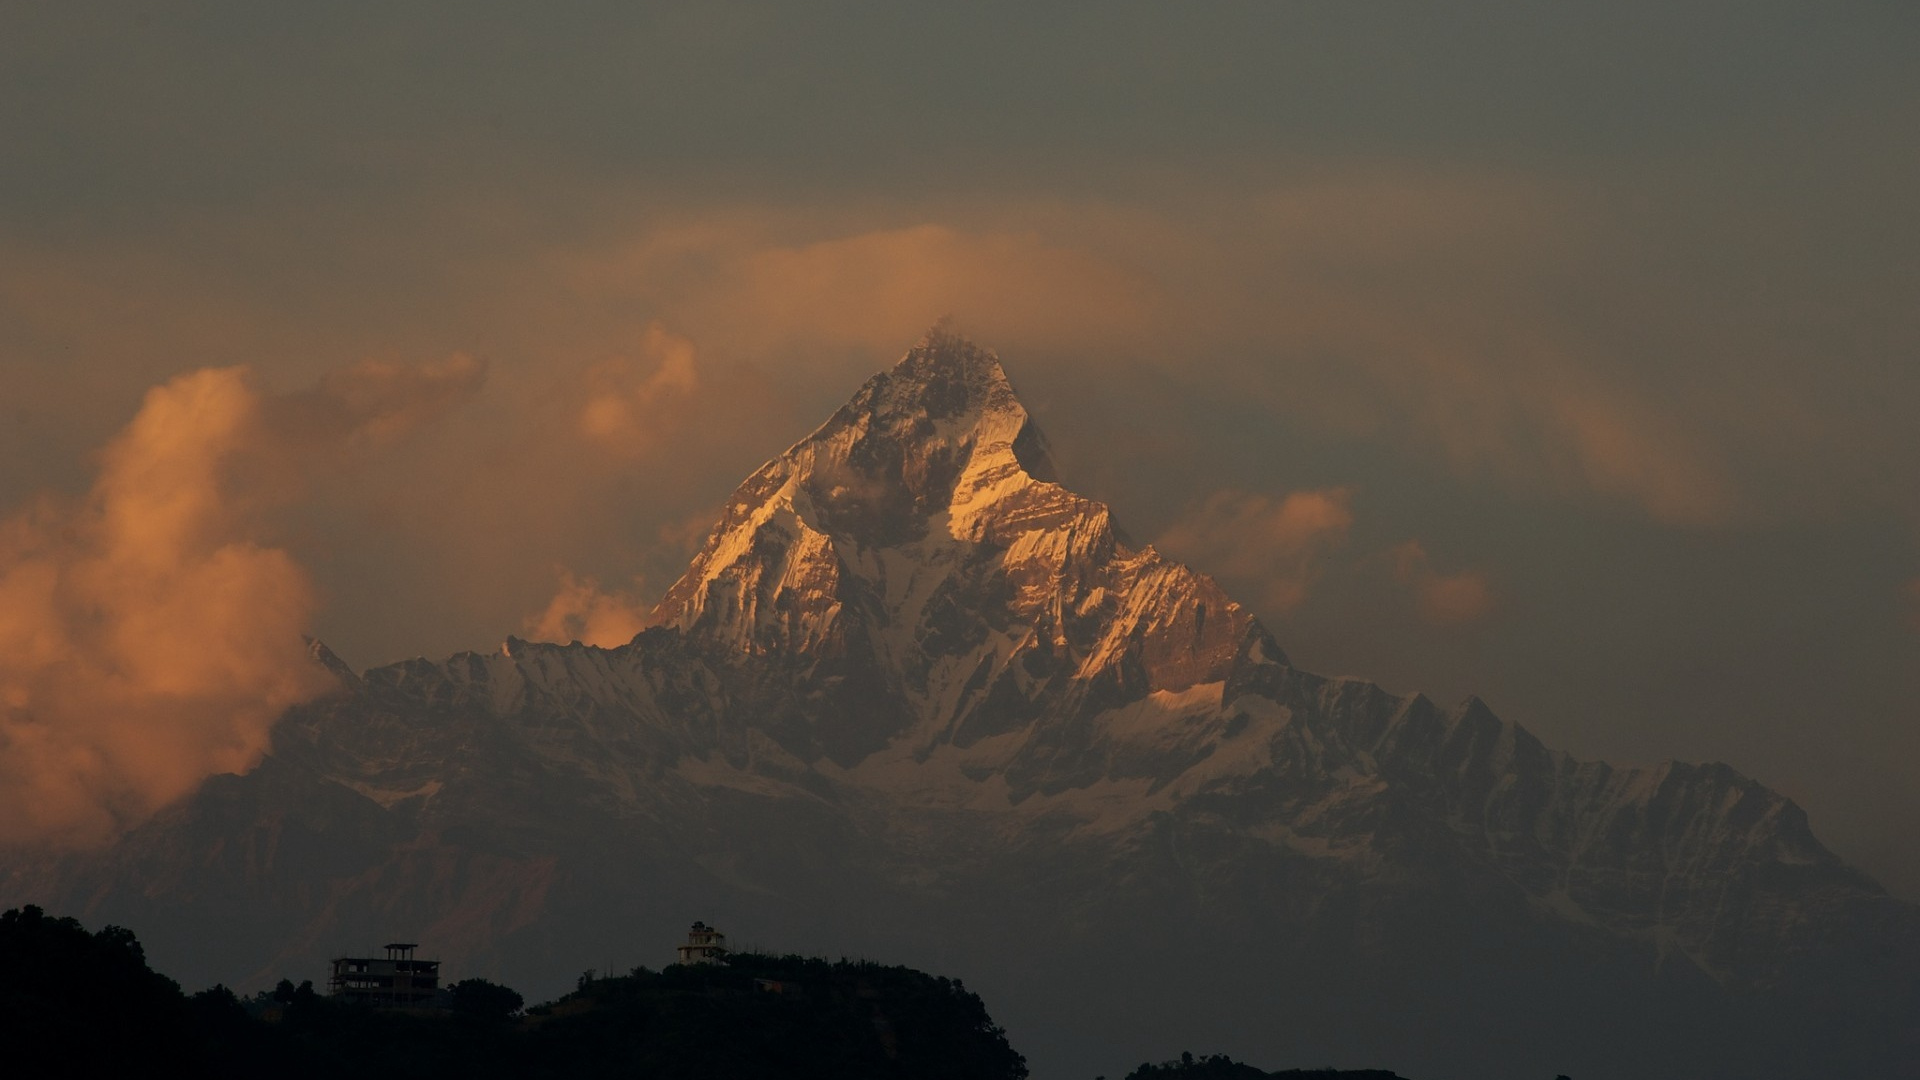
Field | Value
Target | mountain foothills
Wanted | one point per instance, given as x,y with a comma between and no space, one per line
915,699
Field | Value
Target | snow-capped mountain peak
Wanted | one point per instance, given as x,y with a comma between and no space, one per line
919,540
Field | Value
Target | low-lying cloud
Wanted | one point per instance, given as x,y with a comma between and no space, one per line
149,633
145,640
584,612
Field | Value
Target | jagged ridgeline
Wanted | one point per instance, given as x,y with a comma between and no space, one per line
914,698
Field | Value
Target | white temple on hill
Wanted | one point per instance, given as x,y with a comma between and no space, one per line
705,945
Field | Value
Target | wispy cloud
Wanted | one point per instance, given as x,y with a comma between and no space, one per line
1455,599
1275,546
582,611
743,284
634,400
374,404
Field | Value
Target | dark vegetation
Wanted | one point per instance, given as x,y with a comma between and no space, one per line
774,1016
80,1004
1221,1067
74,1003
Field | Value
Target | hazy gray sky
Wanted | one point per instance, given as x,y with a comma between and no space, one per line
1562,354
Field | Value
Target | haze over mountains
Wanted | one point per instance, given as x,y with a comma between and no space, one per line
915,699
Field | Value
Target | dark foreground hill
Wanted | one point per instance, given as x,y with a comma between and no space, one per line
915,698
1221,1067
74,1003
770,1016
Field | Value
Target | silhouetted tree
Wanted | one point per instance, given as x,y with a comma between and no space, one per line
482,1000
62,989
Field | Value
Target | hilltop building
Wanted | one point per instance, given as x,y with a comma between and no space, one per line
395,981
705,945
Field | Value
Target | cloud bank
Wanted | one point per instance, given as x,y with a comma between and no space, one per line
145,640
149,635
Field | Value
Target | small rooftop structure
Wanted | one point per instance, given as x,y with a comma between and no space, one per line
396,980
705,945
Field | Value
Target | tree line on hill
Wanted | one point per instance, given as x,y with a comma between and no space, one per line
1222,1067
74,1002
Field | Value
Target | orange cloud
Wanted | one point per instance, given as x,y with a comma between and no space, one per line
1495,394
888,286
1397,307
376,403
1276,546
633,400
1443,599
1411,310
1633,452
355,411
581,611
145,640
736,284
148,636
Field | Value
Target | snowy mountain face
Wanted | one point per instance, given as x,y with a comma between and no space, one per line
920,587
914,559
914,699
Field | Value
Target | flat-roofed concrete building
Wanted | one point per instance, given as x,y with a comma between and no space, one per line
395,981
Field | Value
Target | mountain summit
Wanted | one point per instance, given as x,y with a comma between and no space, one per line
916,699
917,548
